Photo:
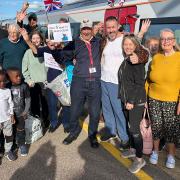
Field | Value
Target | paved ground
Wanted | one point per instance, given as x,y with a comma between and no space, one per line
49,159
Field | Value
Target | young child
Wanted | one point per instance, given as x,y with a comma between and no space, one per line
21,98
6,117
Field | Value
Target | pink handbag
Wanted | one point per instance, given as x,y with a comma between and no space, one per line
145,128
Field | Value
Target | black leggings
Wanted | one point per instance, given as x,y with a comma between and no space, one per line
134,118
38,101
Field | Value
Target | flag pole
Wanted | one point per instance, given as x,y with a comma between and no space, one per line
46,13
47,17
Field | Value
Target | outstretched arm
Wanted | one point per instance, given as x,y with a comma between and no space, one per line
26,38
20,17
22,14
144,28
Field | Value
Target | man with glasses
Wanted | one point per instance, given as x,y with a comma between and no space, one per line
12,49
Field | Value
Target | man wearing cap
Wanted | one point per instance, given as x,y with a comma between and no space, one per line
86,81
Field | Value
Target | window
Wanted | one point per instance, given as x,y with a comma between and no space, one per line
75,29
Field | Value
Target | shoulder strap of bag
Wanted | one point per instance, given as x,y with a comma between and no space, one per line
148,122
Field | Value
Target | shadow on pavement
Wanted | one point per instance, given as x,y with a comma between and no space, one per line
100,165
42,165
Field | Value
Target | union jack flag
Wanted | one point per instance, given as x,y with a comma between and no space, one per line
52,5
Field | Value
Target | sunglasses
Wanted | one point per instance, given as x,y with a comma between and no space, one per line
34,19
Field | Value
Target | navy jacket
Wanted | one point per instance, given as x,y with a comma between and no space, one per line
77,50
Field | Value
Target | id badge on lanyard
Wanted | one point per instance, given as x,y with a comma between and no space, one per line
92,69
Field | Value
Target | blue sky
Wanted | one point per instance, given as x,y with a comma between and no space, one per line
8,8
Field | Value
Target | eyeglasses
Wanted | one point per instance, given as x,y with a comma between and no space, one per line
129,35
167,39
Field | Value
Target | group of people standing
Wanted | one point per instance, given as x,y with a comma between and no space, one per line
109,72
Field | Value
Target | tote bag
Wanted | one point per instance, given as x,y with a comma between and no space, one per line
33,129
61,88
145,128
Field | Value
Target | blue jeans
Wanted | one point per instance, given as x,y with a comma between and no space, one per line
83,89
112,110
52,103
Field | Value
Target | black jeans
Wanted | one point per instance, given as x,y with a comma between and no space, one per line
134,118
38,101
83,89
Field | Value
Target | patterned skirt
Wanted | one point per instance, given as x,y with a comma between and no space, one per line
164,119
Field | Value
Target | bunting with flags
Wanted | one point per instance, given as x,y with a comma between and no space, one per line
52,5
112,2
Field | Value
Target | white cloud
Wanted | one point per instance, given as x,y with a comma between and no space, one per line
36,5
70,1
36,2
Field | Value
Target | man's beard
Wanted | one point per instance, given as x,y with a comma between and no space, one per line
112,36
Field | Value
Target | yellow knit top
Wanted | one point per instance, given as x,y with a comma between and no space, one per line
163,82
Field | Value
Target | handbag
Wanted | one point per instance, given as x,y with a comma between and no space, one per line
33,129
145,128
61,88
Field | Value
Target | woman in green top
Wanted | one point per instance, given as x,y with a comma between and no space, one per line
35,73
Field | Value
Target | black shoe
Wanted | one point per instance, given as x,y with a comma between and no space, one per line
69,139
93,141
52,129
108,137
1,154
124,145
66,130
10,156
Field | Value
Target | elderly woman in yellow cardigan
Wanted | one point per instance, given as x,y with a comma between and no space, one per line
163,90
